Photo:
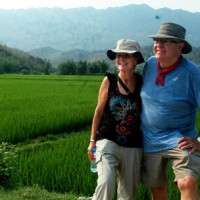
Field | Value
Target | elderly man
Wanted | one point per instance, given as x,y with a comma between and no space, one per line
170,98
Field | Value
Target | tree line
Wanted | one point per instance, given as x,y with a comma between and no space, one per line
15,61
71,67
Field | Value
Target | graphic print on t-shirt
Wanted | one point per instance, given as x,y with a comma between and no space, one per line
124,113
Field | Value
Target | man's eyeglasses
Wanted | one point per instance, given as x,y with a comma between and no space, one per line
124,55
166,41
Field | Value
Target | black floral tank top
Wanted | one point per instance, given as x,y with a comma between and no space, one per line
121,120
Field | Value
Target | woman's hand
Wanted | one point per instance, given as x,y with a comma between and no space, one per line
90,152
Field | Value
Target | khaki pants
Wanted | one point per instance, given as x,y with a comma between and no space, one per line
113,159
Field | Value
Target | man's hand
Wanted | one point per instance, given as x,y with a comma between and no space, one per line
189,143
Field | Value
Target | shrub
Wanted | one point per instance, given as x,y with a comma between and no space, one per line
8,164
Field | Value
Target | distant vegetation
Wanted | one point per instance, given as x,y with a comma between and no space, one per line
14,61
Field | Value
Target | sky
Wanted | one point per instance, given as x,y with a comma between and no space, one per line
188,5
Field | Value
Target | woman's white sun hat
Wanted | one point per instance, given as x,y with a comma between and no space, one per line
126,46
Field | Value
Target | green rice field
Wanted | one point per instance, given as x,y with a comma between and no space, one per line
48,120
31,106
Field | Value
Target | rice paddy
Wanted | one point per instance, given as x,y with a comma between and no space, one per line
49,118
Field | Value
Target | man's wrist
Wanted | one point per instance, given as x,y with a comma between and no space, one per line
92,140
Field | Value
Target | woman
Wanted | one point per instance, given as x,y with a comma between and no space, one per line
116,126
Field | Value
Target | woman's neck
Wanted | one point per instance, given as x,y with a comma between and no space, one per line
126,77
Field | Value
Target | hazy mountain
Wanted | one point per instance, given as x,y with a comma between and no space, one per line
58,34
89,28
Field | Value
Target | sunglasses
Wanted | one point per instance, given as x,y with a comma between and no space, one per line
123,55
166,41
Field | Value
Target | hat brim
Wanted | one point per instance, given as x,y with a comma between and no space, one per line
112,54
187,47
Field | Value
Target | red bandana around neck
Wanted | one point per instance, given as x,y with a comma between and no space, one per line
160,77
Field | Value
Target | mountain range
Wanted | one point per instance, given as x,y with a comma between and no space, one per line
51,32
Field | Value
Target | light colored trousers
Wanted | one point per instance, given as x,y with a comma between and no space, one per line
113,159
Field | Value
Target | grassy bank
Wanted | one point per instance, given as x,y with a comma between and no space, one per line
34,193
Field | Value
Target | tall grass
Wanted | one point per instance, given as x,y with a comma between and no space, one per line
198,122
31,106
62,165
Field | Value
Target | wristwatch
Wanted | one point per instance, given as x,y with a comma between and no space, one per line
198,138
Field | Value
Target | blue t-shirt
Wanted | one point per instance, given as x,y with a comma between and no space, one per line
169,111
